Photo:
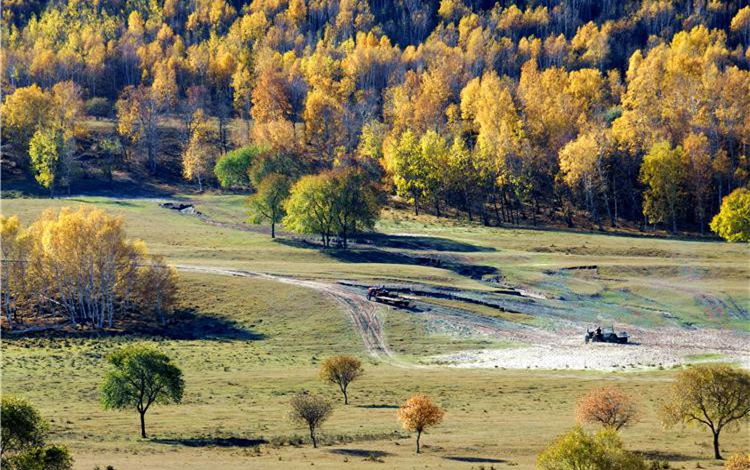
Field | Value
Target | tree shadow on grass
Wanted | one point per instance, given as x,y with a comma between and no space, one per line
474,459
418,243
361,453
670,456
212,442
378,406
375,255
188,323
183,324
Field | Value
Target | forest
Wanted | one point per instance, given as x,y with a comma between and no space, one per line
575,112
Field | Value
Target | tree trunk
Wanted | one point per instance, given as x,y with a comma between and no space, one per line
717,454
346,396
273,230
419,434
143,424
312,437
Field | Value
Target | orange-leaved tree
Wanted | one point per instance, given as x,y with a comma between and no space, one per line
608,406
418,414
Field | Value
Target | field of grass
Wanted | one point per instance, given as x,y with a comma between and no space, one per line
257,342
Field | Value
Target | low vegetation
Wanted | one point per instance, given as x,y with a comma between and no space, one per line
738,462
577,450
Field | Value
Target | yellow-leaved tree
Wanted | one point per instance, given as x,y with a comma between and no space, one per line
733,220
418,414
200,155
341,371
716,396
79,265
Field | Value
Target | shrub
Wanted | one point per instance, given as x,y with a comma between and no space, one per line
578,450
738,462
24,433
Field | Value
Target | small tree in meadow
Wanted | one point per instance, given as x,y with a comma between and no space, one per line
608,406
717,396
418,414
312,411
576,450
341,371
140,377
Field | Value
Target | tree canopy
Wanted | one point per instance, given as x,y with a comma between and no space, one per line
733,220
24,439
716,396
140,377
621,112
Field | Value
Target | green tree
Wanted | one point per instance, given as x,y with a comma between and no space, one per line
232,168
577,450
663,174
24,432
268,201
22,426
405,162
717,396
140,377
44,151
733,220
309,208
355,203
339,202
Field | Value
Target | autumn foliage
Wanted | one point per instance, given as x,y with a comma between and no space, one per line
716,396
577,449
738,462
418,414
632,112
607,406
341,371
79,265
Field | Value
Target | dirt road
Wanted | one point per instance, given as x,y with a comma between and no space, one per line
537,348
363,313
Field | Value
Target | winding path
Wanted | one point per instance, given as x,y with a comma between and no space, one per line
363,313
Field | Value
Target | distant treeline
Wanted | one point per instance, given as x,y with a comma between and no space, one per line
633,111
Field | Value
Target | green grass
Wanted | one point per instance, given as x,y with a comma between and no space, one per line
266,341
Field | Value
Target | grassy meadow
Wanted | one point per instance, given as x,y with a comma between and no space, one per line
247,345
